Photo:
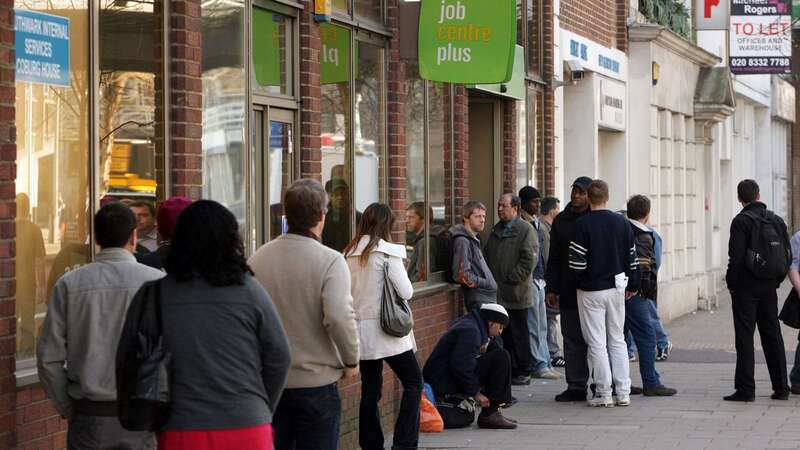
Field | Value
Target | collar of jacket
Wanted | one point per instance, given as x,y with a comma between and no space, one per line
525,216
114,254
755,206
482,325
506,229
382,246
640,226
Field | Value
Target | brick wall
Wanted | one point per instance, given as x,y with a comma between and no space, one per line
594,19
546,106
460,148
8,157
186,102
510,148
395,97
310,93
38,425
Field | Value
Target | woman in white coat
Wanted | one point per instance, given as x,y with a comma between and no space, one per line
366,255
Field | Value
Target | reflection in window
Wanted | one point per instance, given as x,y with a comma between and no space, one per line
535,148
438,136
52,175
415,175
534,32
522,148
335,137
224,105
368,9
280,173
272,64
369,125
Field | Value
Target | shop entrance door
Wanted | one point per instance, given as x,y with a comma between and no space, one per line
274,166
485,156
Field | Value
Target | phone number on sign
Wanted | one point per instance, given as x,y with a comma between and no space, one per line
760,62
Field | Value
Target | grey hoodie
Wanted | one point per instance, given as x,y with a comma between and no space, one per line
470,269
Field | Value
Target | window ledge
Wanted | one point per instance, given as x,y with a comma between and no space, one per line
26,376
427,290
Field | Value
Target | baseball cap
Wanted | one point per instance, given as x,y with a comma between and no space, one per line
582,183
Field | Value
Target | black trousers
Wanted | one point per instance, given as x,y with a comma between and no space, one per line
577,368
762,311
494,373
516,340
406,429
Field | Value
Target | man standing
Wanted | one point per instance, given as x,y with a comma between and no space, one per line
469,266
310,285
167,216
511,253
759,253
562,291
418,270
603,254
637,310
466,363
794,277
549,211
77,347
145,224
537,314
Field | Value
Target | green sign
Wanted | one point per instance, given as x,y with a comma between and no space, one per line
467,41
515,88
795,10
335,54
267,47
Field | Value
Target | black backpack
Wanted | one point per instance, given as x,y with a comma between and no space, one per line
768,255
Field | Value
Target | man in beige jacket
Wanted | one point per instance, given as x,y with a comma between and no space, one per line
310,286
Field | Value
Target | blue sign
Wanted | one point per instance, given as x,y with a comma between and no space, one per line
42,48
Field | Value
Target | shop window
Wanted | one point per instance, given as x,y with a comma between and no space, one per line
533,131
272,52
370,110
371,10
224,106
427,134
523,172
53,153
534,35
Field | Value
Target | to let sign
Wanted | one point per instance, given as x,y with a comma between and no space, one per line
761,36
42,48
467,41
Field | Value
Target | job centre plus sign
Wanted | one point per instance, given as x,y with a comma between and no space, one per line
467,41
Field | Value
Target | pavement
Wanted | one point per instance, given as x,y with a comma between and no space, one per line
701,368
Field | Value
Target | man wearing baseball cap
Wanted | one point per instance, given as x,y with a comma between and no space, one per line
467,367
561,288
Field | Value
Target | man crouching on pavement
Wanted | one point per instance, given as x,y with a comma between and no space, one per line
467,366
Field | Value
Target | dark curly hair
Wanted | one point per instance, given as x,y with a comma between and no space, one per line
206,244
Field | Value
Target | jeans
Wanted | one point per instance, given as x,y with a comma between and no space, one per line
629,338
101,432
406,429
537,329
794,375
602,315
637,320
577,369
662,340
516,339
552,336
749,311
308,419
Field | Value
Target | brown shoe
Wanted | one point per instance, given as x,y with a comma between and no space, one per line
796,389
495,421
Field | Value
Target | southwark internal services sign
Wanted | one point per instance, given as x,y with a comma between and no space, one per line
761,36
42,48
467,41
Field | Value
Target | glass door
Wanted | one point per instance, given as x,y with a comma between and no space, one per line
274,153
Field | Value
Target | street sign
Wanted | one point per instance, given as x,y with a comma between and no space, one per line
41,48
761,36
711,14
467,41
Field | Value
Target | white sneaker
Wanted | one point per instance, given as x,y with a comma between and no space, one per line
601,402
548,374
623,400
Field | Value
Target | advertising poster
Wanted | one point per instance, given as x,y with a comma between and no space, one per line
761,36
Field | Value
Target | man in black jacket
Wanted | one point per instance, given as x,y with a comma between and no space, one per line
561,288
755,301
467,364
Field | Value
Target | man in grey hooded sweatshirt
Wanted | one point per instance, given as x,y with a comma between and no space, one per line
469,267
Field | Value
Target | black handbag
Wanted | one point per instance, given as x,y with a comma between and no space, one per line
790,312
396,319
143,379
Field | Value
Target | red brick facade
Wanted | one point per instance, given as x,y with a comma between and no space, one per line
598,20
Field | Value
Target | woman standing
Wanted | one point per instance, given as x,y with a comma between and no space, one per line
366,255
229,351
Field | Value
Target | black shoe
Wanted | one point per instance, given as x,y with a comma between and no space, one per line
739,397
521,380
495,421
558,362
635,390
796,389
571,395
782,395
659,391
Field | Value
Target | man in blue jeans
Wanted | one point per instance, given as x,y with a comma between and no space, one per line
794,277
638,315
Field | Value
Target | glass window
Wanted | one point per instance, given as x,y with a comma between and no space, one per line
415,173
369,125
341,6
369,9
438,152
523,174
533,128
52,185
280,172
335,136
224,106
534,33
272,52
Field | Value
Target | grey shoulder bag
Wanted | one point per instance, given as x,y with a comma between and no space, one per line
396,317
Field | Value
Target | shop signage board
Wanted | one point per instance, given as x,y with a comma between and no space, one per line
41,48
796,13
515,88
761,36
266,47
335,54
612,104
711,14
467,41
593,56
